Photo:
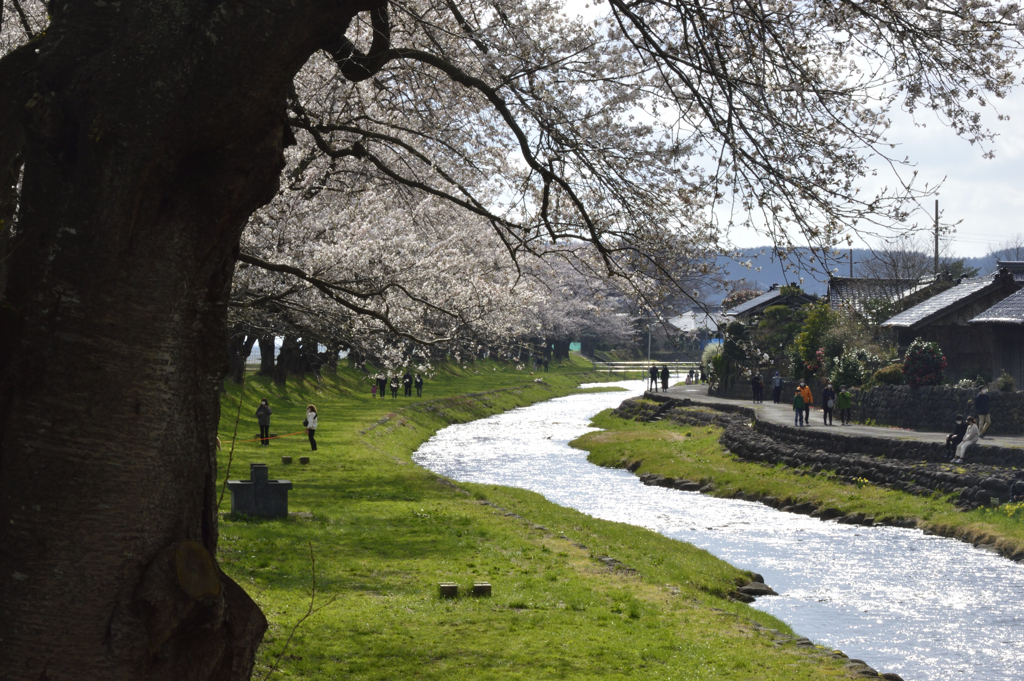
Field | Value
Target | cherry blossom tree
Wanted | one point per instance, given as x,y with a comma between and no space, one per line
138,139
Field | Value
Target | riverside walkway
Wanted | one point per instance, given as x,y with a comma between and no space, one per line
782,414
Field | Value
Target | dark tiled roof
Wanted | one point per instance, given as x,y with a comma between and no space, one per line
941,302
1009,310
761,301
854,293
1015,267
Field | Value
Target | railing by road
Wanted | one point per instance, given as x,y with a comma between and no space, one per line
641,369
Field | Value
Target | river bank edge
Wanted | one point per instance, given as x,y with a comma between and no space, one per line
388,443
751,443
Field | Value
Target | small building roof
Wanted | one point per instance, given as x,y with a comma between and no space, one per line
1014,267
961,294
694,320
854,292
1009,310
762,301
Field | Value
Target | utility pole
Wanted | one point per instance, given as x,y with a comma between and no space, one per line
936,237
851,263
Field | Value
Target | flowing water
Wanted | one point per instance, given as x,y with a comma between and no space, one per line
922,606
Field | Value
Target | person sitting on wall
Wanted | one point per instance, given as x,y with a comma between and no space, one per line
1017,491
970,438
954,439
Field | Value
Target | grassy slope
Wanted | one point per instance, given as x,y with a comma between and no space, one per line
384,532
694,453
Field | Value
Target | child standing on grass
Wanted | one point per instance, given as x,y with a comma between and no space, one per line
311,424
798,408
373,391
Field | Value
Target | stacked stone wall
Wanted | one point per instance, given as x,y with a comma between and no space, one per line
934,408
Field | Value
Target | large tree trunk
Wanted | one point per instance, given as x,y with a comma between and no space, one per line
151,131
239,348
267,350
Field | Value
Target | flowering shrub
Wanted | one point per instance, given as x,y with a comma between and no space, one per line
846,370
923,364
1005,383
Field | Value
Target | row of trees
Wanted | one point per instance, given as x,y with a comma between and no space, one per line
147,149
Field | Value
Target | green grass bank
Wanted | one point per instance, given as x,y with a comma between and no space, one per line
694,453
383,532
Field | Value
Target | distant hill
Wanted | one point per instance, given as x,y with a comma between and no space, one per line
766,269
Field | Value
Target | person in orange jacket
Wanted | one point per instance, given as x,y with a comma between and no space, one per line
805,392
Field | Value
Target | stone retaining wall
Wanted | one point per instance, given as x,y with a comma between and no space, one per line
909,466
935,407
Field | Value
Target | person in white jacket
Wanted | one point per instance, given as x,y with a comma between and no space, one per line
970,437
310,424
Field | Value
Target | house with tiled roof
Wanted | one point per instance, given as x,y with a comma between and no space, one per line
856,293
945,319
1001,327
775,295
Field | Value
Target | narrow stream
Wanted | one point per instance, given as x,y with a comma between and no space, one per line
922,606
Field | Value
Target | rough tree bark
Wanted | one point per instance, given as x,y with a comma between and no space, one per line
148,133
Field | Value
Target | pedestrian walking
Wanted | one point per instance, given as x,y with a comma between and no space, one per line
407,384
971,437
311,426
382,385
844,402
419,385
664,377
777,388
373,391
394,387
828,404
982,405
545,365
954,439
798,408
263,413
805,392
652,374
703,377
757,387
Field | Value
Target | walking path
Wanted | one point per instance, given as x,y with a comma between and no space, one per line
782,414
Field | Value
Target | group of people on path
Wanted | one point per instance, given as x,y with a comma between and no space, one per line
654,374
407,382
831,401
263,413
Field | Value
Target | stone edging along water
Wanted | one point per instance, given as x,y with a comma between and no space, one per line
912,467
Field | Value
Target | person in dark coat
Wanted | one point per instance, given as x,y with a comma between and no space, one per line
263,413
703,377
382,385
1017,491
664,377
828,404
757,387
954,439
407,384
982,405
394,388
419,385
653,380
777,388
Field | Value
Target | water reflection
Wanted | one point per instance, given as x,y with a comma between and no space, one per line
924,607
